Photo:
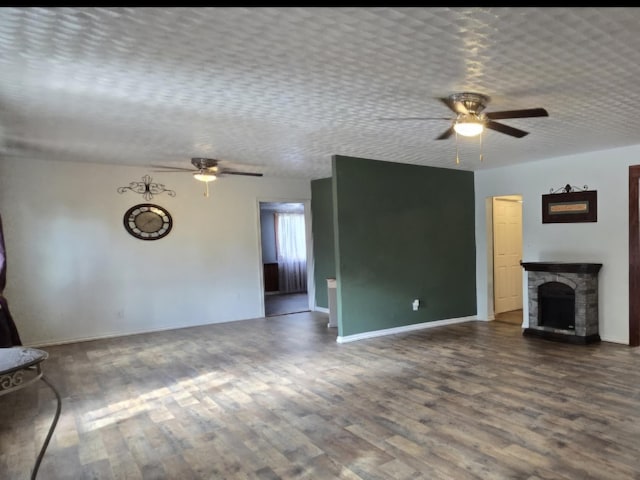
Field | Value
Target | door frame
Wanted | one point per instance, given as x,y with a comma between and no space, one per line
311,286
634,256
490,294
503,199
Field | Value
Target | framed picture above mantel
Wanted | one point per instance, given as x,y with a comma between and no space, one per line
570,206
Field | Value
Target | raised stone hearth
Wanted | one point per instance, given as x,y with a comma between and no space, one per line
563,301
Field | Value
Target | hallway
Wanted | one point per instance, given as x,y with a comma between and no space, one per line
285,303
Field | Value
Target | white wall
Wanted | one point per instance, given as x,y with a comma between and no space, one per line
606,241
75,273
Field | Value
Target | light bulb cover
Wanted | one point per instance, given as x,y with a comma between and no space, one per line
204,176
469,125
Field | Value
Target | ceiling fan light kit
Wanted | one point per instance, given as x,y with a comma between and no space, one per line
204,176
469,125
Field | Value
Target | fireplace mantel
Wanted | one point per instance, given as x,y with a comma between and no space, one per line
561,267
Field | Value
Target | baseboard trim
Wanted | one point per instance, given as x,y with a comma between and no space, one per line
38,344
614,340
345,339
404,328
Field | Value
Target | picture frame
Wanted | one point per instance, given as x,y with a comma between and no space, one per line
570,207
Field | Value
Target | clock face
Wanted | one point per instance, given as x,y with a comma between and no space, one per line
147,221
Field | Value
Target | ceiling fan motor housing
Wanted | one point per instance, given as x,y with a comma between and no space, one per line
473,102
204,163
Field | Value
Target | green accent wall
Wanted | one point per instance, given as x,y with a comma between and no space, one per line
322,228
402,232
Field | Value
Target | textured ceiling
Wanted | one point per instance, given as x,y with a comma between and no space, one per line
282,89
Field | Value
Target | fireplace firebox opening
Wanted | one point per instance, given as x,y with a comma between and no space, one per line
557,306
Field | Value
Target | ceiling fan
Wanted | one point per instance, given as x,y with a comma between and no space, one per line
470,120
206,170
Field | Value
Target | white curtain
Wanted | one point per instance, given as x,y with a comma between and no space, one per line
292,252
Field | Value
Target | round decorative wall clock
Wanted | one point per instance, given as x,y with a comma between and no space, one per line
147,221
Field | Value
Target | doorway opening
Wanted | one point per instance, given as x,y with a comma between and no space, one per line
507,255
284,258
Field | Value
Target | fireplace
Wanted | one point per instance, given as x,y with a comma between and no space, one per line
563,301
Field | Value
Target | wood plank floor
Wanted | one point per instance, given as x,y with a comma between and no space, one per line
278,398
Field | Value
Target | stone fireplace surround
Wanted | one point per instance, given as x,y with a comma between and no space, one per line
583,279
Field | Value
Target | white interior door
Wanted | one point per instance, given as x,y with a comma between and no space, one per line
507,253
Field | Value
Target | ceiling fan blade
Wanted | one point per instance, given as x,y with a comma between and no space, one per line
499,127
234,172
530,112
415,118
446,134
457,107
167,168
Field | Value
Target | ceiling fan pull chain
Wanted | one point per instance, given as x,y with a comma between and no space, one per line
206,189
480,146
457,157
